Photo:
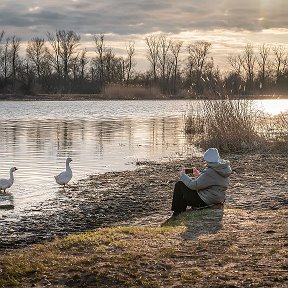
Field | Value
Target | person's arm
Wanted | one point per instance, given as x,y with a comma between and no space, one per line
196,172
198,183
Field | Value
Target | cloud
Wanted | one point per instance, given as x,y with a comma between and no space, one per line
228,24
143,16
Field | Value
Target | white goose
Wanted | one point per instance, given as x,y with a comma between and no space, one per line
64,177
7,183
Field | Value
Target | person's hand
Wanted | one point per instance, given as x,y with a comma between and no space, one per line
182,171
196,172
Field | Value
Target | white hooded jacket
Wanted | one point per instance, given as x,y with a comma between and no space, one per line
212,183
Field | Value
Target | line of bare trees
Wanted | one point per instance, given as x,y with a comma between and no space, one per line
58,65
262,72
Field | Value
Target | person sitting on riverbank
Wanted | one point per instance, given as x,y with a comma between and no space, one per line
205,189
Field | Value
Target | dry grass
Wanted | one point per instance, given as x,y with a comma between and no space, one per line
230,125
243,245
275,130
194,121
237,126
206,248
131,92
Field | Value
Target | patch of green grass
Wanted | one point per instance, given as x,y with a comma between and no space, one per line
158,257
108,248
190,216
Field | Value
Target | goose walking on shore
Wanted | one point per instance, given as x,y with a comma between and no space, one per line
7,183
64,177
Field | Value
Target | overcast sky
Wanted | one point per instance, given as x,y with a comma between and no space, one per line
228,24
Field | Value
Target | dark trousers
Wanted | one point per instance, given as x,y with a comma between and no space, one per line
183,197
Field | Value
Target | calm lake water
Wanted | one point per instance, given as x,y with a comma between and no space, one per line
100,136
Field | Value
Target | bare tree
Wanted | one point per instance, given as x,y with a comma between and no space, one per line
113,67
64,46
108,62
83,63
54,56
280,61
2,33
163,55
248,63
236,63
264,52
69,41
233,81
6,59
75,67
15,59
152,43
37,54
100,49
129,62
175,49
197,61
2,55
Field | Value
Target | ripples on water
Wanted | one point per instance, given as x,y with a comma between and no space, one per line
100,136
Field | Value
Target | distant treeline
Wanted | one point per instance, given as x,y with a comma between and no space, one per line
56,65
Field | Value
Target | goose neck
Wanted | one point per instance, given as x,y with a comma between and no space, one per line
11,176
68,166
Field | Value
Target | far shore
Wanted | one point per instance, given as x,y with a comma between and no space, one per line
92,97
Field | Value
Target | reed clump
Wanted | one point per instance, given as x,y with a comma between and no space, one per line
236,126
276,131
230,125
118,91
194,121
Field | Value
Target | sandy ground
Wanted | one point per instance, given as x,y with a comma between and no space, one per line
143,197
243,244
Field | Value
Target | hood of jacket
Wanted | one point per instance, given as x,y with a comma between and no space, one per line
222,168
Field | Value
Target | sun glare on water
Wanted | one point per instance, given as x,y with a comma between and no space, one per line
272,106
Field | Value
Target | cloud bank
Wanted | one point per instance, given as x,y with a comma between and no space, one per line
228,24
141,16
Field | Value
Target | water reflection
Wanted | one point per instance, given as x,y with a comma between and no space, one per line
100,136
38,148
6,201
66,136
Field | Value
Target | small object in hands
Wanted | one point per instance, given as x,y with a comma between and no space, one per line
188,170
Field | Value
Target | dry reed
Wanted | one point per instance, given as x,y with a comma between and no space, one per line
277,131
131,92
230,125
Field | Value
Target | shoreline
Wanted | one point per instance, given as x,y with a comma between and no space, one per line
142,197
243,244
101,97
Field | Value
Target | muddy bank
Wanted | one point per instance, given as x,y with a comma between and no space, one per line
91,97
143,197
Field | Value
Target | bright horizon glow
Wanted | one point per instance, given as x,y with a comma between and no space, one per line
272,106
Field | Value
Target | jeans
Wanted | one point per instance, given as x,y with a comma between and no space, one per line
183,197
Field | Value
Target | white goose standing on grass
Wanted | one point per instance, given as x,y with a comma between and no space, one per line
64,177
7,183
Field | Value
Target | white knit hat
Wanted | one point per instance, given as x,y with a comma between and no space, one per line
212,155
